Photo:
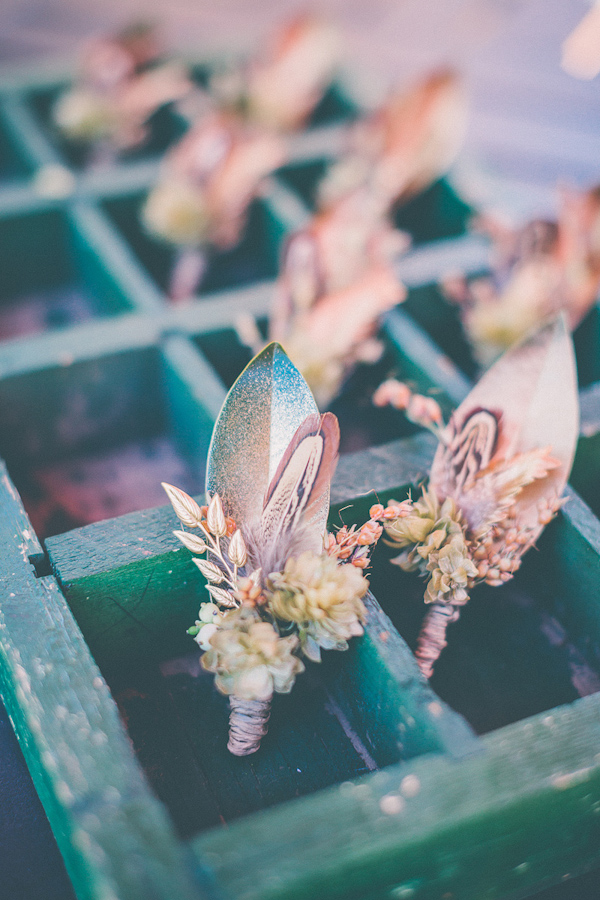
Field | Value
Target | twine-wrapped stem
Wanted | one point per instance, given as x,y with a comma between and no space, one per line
432,638
187,273
248,724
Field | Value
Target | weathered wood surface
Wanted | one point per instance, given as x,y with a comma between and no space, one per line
115,838
517,817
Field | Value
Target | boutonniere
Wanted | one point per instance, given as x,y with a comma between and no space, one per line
336,281
537,271
281,589
279,88
404,146
496,480
119,89
204,192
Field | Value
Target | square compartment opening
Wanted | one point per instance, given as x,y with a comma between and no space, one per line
516,650
165,127
345,717
255,258
12,164
362,424
94,439
333,107
440,318
435,213
51,278
304,178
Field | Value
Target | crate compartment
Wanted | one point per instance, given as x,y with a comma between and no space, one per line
532,782
304,178
12,164
362,424
255,258
51,277
165,127
440,319
513,653
94,439
354,713
178,724
437,212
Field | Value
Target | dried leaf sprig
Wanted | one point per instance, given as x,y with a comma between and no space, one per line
494,483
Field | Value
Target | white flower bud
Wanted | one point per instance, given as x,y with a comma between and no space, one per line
204,635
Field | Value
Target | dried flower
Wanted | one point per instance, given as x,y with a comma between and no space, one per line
424,411
538,270
404,146
321,596
249,658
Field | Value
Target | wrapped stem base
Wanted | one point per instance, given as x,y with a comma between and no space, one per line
432,639
248,724
188,270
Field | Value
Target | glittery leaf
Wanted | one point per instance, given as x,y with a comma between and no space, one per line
259,418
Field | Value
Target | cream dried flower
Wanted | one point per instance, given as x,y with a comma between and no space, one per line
321,596
453,572
250,660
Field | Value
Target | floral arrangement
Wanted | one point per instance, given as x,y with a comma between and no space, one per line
120,87
405,145
279,88
280,587
337,276
210,178
496,479
336,281
537,271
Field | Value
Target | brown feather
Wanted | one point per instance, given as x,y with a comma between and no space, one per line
301,482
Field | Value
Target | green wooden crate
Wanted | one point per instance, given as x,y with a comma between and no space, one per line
371,783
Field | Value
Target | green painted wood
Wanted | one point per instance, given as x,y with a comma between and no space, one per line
503,823
116,839
130,582
102,241
431,369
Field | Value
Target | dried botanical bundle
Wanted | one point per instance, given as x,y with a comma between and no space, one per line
539,270
210,178
118,91
336,281
280,587
281,86
207,184
406,145
496,479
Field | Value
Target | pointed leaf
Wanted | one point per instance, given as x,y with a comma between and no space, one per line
186,509
236,551
215,517
210,571
220,596
262,412
191,541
